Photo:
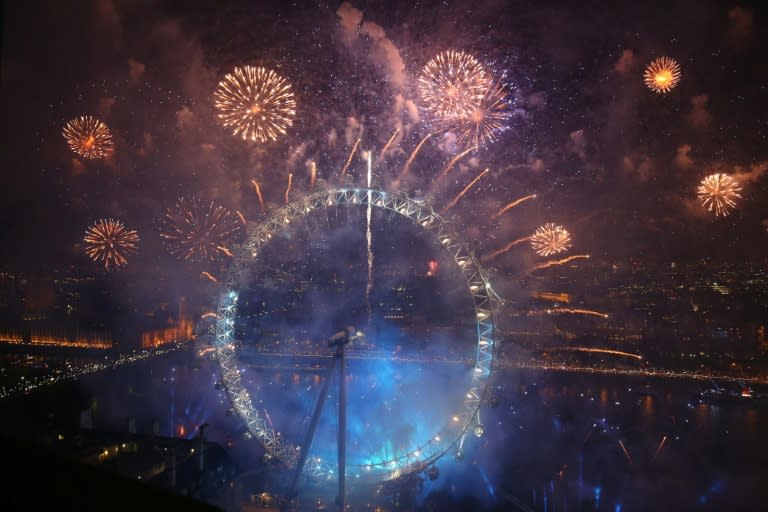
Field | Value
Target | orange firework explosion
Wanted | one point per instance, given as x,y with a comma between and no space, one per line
197,231
107,241
88,137
484,122
718,192
662,75
550,239
461,97
452,84
256,103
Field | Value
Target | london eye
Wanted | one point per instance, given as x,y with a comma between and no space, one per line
414,390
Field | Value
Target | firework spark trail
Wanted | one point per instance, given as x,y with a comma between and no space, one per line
241,217
718,192
625,452
563,261
209,314
587,437
369,240
576,311
600,351
506,248
257,188
658,450
108,241
312,174
489,118
288,187
224,250
453,161
466,189
208,276
407,166
511,205
386,147
349,160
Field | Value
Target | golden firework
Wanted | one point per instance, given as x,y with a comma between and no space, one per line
109,242
662,75
718,192
198,231
452,84
88,137
550,239
461,97
487,119
256,103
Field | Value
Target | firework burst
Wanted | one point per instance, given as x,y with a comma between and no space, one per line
461,98
550,239
482,125
255,103
109,242
198,231
718,192
452,84
88,137
662,75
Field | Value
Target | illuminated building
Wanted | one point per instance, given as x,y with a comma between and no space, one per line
11,336
59,337
178,331
182,331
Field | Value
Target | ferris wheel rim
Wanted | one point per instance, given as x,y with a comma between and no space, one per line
478,285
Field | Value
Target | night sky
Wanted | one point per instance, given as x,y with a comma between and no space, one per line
615,163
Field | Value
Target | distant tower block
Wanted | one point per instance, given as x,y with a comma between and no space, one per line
131,425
